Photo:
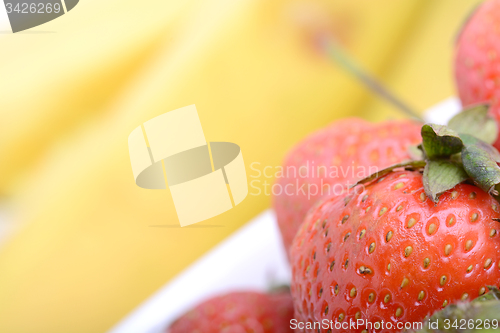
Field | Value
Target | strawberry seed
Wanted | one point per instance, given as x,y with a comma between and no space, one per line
432,228
362,234
408,251
447,249
382,211
474,217
451,220
427,262
442,280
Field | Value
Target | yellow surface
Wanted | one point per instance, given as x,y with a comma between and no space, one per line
421,70
91,245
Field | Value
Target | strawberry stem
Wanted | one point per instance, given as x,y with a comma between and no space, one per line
456,153
335,52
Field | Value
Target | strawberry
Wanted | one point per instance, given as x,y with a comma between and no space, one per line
239,312
405,244
392,254
477,58
327,161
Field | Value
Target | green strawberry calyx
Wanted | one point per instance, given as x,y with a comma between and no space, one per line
483,313
458,152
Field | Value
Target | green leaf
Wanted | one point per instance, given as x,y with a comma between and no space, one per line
440,141
477,122
471,140
482,313
480,162
410,165
441,176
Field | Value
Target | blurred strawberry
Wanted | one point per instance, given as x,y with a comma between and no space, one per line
333,158
392,254
239,312
477,59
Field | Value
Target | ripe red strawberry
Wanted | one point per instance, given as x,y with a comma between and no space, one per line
336,156
391,254
239,312
477,62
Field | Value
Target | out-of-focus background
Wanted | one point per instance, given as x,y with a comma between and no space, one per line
80,244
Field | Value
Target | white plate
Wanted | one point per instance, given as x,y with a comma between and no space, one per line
234,264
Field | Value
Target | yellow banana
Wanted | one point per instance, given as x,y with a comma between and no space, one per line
91,244
422,71
56,81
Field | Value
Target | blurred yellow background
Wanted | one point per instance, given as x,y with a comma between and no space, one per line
85,245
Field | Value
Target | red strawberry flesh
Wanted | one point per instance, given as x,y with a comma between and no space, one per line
239,312
391,254
348,150
477,59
